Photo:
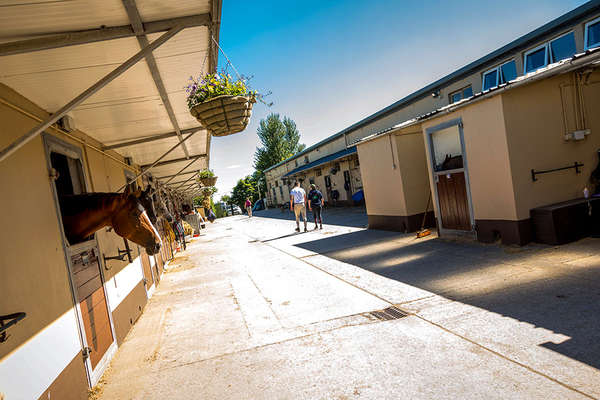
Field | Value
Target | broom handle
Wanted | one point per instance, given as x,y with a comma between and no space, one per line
426,209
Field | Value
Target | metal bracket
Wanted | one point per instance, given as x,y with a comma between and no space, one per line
120,257
12,320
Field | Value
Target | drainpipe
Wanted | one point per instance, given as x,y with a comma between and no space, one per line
392,151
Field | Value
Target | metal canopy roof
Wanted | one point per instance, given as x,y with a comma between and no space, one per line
51,51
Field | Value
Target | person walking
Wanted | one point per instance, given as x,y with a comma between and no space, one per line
298,205
248,206
315,204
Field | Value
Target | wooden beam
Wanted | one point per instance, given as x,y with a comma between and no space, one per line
53,41
174,175
176,160
214,29
150,139
47,122
138,28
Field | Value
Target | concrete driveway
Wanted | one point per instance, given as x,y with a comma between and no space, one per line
254,311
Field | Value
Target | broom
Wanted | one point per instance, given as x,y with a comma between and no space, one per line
424,232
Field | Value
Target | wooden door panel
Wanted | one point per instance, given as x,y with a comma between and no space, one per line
85,267
453,201
146,268
97,326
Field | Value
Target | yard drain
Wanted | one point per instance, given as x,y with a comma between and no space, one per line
388,314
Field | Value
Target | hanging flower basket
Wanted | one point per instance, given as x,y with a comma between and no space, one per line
208,181
220,103
224,115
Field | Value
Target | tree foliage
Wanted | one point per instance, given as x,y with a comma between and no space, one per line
245,188
280,139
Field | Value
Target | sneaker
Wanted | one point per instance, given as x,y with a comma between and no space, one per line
297,229
316,227
305,230
321,227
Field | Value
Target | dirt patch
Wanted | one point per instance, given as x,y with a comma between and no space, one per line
181,267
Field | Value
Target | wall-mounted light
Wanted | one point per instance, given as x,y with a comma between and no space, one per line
435,94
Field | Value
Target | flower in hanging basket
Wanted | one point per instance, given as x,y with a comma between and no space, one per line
220,103
207,178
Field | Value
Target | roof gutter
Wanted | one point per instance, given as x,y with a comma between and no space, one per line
574,63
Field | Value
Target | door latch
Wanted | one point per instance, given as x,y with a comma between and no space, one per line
86,352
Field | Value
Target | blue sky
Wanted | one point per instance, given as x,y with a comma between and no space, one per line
329,64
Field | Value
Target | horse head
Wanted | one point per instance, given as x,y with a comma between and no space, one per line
145,198
132,222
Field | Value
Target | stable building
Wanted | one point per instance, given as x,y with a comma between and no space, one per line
398,199
91,100
511,161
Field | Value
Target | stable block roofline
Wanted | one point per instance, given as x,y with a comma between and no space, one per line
572,17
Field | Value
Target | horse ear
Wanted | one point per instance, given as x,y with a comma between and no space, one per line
127,191
147,191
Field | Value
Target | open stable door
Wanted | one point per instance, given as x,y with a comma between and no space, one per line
89,289
454,205
450,177
83,263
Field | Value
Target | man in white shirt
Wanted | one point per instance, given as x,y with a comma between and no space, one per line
298,204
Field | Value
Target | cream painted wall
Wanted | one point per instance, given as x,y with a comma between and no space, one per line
534,121
412,164
382,182
487,158
31,251
34,274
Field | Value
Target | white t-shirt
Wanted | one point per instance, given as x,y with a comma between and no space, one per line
298,194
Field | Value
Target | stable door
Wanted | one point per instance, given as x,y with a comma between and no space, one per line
450,177
84,265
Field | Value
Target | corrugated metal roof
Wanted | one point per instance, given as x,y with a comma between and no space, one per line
130,107
323,160
538,34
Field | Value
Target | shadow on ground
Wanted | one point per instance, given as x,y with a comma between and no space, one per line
554,288
342,216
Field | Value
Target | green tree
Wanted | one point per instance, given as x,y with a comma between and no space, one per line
245,188
226,199
280,139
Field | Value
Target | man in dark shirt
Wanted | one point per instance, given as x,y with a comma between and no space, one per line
315,204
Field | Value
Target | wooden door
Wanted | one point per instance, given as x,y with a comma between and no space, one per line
348,185
146,267
85,269
453,201
328,187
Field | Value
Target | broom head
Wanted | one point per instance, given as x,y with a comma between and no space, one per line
423,233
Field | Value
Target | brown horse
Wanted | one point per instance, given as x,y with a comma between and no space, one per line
84,214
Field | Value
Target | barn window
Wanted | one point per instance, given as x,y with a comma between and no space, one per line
463,93
536,58
555,50
501,74
562,47
592,34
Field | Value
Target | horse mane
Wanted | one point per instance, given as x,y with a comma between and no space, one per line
78,203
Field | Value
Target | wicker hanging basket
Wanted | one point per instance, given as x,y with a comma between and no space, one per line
224,115
209,181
